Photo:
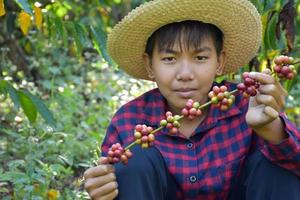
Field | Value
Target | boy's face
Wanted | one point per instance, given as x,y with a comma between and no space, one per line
184,74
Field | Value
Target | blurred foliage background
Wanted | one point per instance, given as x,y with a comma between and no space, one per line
59,88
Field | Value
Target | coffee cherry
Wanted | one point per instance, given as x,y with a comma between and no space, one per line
137,135
191,110
128,153
196,105
172,122
163,122
284,68
116,154
168,113
216,89
170,119
169,125
249,85
215,100
185,112
241,87
142,136
151,138
174,130
221,98
176,124
139,128
224,107
277,68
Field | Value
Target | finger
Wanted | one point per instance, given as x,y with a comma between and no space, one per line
262,77
266,78
110,196
104,190
281,89
102,160
267,71
99,170
272,90
278,85
96,182
273,114
267,100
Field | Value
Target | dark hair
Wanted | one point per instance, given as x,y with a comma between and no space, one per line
194,32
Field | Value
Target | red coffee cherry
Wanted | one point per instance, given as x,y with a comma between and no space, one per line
284,68
116,153
249,85
191,109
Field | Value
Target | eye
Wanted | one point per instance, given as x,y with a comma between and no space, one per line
201,58
168,59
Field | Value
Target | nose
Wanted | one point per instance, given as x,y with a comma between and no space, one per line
185,72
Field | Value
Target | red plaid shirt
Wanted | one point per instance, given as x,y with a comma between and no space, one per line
206,164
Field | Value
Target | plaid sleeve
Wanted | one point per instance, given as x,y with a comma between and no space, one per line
111,138
287,153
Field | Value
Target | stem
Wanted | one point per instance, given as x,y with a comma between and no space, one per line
204,105
295,63
130,145
233,91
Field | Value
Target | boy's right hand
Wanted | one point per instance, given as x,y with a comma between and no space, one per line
100,181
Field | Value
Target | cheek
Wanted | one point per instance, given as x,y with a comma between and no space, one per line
164,74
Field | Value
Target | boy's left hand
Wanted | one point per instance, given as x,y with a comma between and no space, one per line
264,108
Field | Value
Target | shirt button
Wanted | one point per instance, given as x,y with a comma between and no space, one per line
189,145
193,179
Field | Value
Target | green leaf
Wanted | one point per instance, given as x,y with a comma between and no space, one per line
270,32
10,22
269,4
99,41
81,33
42,109
28,106
61,32
12,176
73,32
13,93
24,5
259,5
3,87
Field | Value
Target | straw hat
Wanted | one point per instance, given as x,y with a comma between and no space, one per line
238,19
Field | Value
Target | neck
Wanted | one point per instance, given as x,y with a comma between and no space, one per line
189,126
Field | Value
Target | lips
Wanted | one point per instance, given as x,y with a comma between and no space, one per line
185,92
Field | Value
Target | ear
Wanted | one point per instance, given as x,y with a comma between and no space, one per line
148,65
221,62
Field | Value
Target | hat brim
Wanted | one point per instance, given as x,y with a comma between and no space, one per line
238,19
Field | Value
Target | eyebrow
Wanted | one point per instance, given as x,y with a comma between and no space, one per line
200,50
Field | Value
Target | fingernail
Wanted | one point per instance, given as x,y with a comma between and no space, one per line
110,168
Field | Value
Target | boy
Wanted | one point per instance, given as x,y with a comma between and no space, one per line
238,154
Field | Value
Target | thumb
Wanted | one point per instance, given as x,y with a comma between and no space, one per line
103,161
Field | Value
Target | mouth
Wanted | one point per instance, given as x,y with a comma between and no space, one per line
185,93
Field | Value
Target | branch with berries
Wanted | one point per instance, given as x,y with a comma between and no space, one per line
220,97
